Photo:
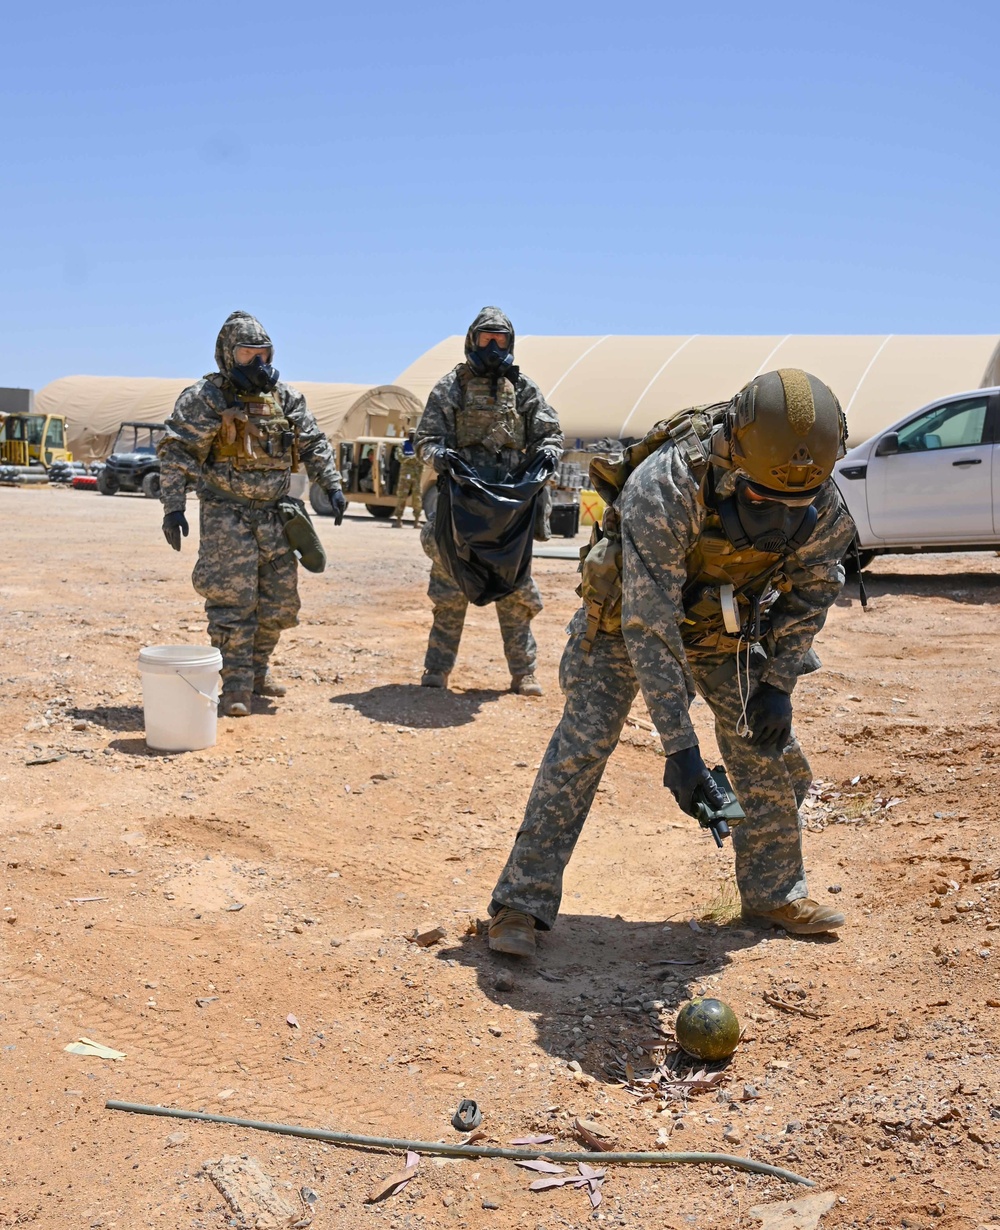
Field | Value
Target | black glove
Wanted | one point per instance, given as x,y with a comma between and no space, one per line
175,524
769,716
339,502
439,459
684,773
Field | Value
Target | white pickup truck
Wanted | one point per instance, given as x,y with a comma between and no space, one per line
930,482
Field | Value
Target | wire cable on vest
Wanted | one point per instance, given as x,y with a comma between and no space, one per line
743,723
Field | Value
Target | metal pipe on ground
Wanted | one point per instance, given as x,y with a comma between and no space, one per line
446,1150
12,476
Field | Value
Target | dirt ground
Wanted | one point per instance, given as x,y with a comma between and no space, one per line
234,920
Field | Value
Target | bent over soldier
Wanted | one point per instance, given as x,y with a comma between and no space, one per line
494,418
236,436
717,567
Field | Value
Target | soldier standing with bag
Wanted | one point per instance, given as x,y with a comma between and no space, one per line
237,436
716,568
494,418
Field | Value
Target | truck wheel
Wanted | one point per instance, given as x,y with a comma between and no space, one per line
151,486
107,484
320,501
850,561
380,511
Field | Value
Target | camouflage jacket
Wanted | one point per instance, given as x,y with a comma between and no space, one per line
192,429
436,429
410,467
661,520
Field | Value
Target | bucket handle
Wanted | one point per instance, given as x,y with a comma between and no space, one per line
212,699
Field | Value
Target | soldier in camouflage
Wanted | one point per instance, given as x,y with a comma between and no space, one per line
236,436
731,538
494,418
411,472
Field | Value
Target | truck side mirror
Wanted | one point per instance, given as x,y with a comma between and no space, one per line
888,445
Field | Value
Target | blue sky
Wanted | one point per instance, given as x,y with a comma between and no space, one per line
365,177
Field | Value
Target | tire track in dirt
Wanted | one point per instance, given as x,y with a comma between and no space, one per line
154,1049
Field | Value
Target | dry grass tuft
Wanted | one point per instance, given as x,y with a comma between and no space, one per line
726,907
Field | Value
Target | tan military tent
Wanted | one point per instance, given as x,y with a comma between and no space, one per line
381,410
95,406
601,386
620,386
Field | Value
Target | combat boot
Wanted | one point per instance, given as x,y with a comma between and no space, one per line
397,523
802,917
267,685
512,932
234,704
525,685
434,679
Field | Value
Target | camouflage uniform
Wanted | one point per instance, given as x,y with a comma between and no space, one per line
662,520
411,472
518,423
246,571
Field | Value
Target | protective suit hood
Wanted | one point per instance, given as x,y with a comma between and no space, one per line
493,321
240,329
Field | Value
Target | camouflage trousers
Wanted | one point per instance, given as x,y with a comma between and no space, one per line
514,613
248,576
408,488
599,694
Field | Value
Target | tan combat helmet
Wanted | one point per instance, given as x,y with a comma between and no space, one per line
787,430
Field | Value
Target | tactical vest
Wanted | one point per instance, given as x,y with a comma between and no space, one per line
728,589
256,435
488,418
753,579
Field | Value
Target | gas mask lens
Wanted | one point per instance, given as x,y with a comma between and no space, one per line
484,337
791,499
245,355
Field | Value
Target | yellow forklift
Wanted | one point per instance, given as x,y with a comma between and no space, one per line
29,444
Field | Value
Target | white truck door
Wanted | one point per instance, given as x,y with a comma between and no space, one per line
937,484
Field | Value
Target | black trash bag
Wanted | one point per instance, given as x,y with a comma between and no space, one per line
484,530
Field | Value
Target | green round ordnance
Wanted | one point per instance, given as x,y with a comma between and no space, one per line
707,1029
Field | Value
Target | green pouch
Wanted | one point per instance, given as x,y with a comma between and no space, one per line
543,515
601,586
301,536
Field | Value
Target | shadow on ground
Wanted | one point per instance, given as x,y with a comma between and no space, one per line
137,747
604,969
968,588
113,717
407,704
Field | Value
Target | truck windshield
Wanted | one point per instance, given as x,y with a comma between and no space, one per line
133,439
24,427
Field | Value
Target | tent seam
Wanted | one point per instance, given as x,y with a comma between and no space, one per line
864,374
771,355
578,359
659,372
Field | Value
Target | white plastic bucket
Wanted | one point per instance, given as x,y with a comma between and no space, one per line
180,696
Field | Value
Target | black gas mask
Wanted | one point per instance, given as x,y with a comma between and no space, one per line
255,376
492,359
766,525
